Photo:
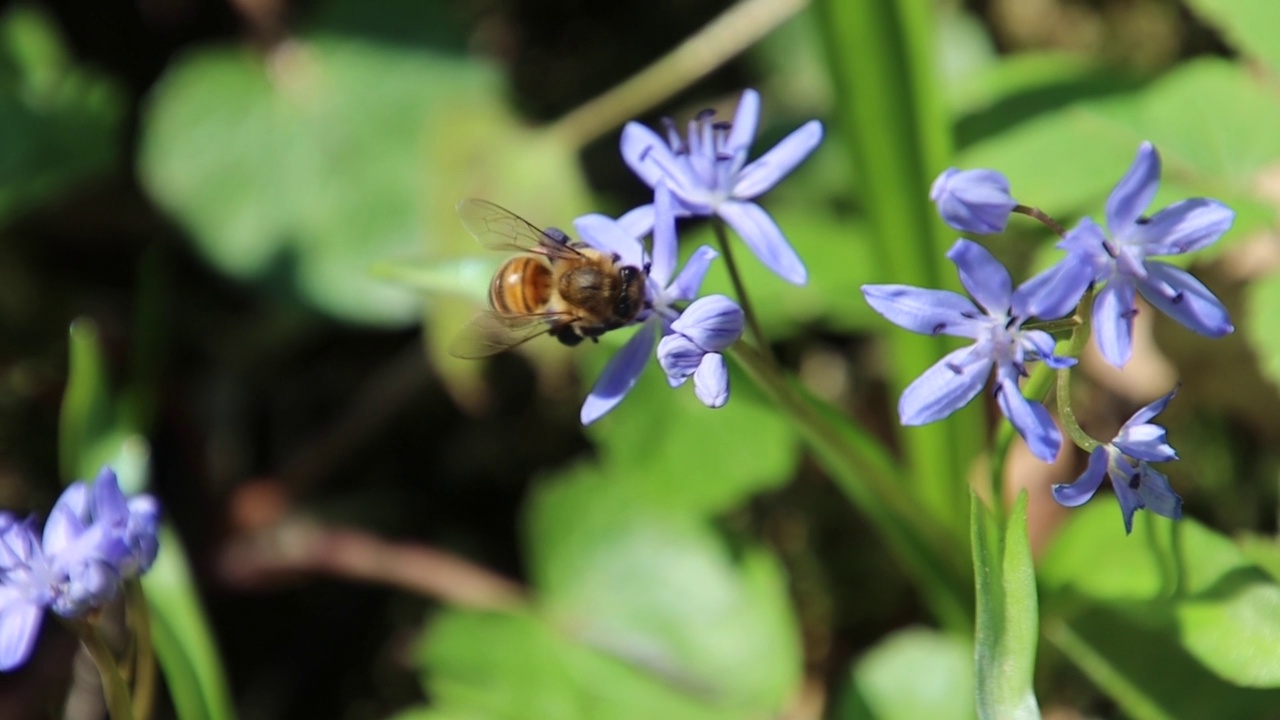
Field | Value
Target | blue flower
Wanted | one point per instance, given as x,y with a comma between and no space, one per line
1122,260
709,175
662,292
975,201
1126,461
698,337
999,343
92,540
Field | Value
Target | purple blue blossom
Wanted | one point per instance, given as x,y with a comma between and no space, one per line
663,290
1126,460
708,174
93,539
999,343
693,348
1123,262
975,201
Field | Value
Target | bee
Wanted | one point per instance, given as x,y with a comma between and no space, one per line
557,286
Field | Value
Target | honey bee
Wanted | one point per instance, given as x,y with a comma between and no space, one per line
557,286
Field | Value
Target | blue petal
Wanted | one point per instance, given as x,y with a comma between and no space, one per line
1177,293
713,322
950,384
762,235
1087,242
664,235
68,518
711,381
651,158
975,201
1113,312
603,233
109,503
638,222
620,375
982,275
765,171
679,357
19,627
1126,480
142,534
1080,491
1133,193
1031,420
1043,344
1055,292
687,283
1145,441
928,312
1152,409
1185,226
745,120
1157,495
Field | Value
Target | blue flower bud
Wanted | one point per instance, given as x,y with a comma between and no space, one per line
975,201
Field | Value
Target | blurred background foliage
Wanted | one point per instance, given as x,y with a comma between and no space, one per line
244,212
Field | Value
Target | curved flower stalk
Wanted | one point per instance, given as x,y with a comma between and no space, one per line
94,539
664,290
708,174
1000,343
1122,261
1126,461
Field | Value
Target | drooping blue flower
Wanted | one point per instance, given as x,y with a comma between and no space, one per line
1123,260
975,201
999,343
709,175
662,292
693,348
1126,461
91,541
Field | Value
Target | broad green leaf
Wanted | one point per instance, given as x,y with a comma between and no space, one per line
1008,622
516,666
663,591
59,123
1200,589
1249,26
430,713
1263,303
673,451
913,673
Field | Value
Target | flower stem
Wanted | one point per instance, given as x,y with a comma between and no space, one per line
726,250
1038,214
113,685
145,660
1079,337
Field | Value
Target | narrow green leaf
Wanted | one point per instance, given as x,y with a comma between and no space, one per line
86,405
1007,614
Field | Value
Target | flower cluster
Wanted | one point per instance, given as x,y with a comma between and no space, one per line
93,540
703,175
1115,264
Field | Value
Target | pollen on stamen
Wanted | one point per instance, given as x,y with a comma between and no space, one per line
1177,298
1135,481
1129,314
955,368
704,115
937,329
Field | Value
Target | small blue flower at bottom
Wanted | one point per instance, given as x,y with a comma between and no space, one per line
1126,461
698,337
93,539
999,342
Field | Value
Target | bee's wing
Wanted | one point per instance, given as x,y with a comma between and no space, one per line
489,333
497,228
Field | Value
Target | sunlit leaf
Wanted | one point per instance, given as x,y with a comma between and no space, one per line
913,673
1249,26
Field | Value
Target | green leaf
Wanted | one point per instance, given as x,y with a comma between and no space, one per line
1008,614
913,673
1249,26
59,123
710,460
516,666
1262,299
1199,589
661,590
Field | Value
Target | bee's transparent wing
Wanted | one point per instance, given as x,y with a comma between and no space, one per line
497,228
489,333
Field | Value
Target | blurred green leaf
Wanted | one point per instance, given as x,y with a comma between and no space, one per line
673,451
1008,614
913,673
59,123
662,591
1249,26
1199,588
1262,298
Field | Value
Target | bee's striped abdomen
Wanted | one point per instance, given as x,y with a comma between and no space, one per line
522,286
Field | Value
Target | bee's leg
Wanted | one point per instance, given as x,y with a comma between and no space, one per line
566,335
616,257
647,265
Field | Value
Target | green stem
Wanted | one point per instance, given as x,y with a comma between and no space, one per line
139,614
1079,337
740,289
113,685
